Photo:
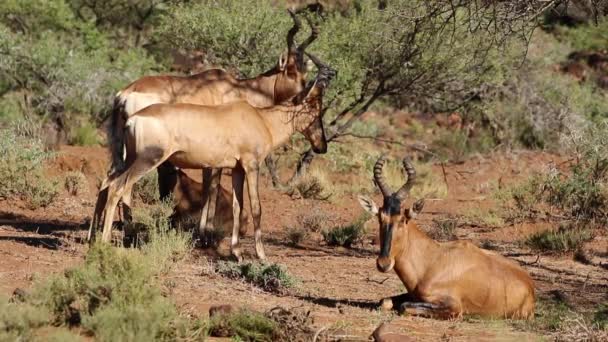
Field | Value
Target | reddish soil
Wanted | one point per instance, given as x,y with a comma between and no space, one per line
340,286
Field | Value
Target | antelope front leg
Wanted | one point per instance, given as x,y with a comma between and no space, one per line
202,225
253,170
216,177
238,178
447,307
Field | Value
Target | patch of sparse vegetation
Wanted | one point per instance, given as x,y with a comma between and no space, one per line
579,194
314,220
243,325
152,226
115,294
457,145
18,321
146,189
484,217
269,277
84,135
444,229
313,185
295,235
582,255
22,169
75,183
600,317
549,316
565,239
347,235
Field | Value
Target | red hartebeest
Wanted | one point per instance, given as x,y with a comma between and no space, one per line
211,87
444,279
235,135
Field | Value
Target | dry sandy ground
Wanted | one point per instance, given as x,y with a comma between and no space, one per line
341,287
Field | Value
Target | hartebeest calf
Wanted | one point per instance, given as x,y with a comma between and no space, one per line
236,135
211,87
444,279
187,194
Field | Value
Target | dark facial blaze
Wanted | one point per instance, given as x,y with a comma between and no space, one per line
390,211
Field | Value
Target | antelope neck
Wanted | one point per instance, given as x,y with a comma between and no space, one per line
259,87
283,121
419,253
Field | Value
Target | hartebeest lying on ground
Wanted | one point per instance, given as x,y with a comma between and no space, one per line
444,279
236,135
187,194
211,87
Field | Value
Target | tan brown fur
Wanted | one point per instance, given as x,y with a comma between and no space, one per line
211,87
187,194
446,279
235,135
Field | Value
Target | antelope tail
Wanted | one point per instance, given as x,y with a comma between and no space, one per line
116,134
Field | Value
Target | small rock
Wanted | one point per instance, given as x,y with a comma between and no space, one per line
383,334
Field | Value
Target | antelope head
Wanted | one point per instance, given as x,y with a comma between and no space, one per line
394,219
291,69
310,117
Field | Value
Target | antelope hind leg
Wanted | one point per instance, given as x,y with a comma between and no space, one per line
238,178
102,199
252,171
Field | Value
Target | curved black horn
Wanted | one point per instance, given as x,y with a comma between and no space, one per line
326,73
314,33
411,178
293,31
379,178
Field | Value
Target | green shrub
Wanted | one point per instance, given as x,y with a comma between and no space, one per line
600,317
161,244
456,145
22,169
84,135
295,235
565,239
270,277
146,189
75,183
588,36
19,320
114,295
347,235
243,325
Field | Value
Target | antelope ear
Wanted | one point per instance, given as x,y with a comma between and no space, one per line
309,65
368,204
283,61
416,208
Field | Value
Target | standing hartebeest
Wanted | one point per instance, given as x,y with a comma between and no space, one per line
235,135
211,87
444,279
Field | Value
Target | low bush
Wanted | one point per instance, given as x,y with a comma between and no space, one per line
347,235
269,277
75,183
115,295
146,189
243,325
22,169
295,235
565,239
18,321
